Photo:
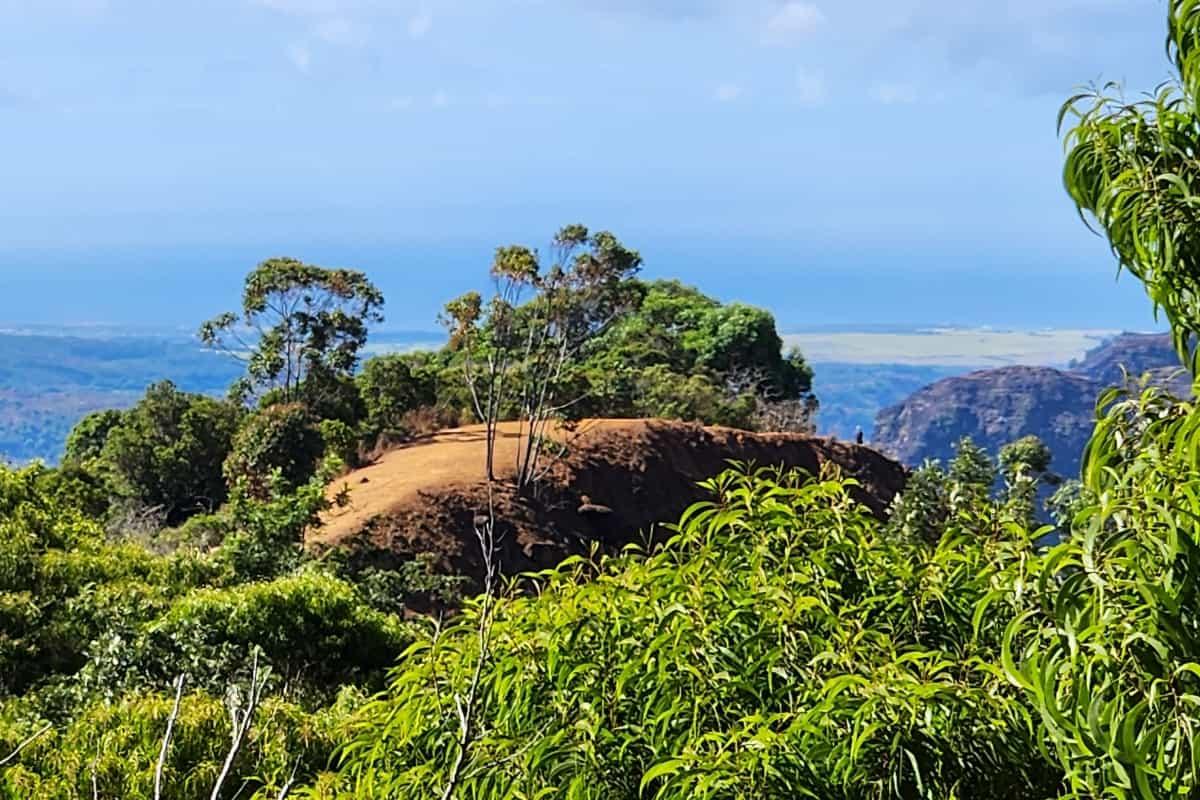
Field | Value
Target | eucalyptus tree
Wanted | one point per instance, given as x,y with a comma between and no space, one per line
300,328
521,350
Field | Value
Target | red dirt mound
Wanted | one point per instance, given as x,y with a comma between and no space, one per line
614,481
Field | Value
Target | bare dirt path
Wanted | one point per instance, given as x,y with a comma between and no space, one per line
615,483
447,459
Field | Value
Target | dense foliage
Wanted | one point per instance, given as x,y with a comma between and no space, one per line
672,352
683,355
282,440
962,662
93,632
103,607
165,452
781,645
581,337
394,387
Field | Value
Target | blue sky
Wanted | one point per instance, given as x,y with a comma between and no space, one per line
871,161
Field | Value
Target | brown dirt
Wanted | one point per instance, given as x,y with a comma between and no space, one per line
424,496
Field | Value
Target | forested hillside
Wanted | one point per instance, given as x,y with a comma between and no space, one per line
47,383
172,550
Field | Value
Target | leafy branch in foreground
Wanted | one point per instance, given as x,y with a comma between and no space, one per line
8,759
1108,658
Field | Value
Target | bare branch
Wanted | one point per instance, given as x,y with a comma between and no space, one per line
495,763
92,770
467,707
532,346
166,742
4,762
286,789
241,718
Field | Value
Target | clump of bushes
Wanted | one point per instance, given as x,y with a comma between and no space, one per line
280,439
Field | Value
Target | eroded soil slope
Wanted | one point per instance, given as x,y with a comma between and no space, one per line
613,482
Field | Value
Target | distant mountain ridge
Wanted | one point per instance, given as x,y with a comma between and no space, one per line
1135,353
997,406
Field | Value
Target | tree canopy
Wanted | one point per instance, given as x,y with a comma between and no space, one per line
682,354
299,326
165,452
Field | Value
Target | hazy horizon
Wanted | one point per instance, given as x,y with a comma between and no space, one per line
806,287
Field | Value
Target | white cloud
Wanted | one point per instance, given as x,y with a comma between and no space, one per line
655,9
791,22
300,56
727,92
895,94
810,87
301,7
340,31
420,24
440,99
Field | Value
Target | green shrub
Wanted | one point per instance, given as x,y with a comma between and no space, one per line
73,597
1108,657
778,646
311,628
86,440
281,439
202,532
111,750
394,590
395,385
341,442
266,532
680,354
166,452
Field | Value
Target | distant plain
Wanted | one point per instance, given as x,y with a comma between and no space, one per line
951,347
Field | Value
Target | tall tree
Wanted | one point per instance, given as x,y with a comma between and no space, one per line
682,354
300,329
521,350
